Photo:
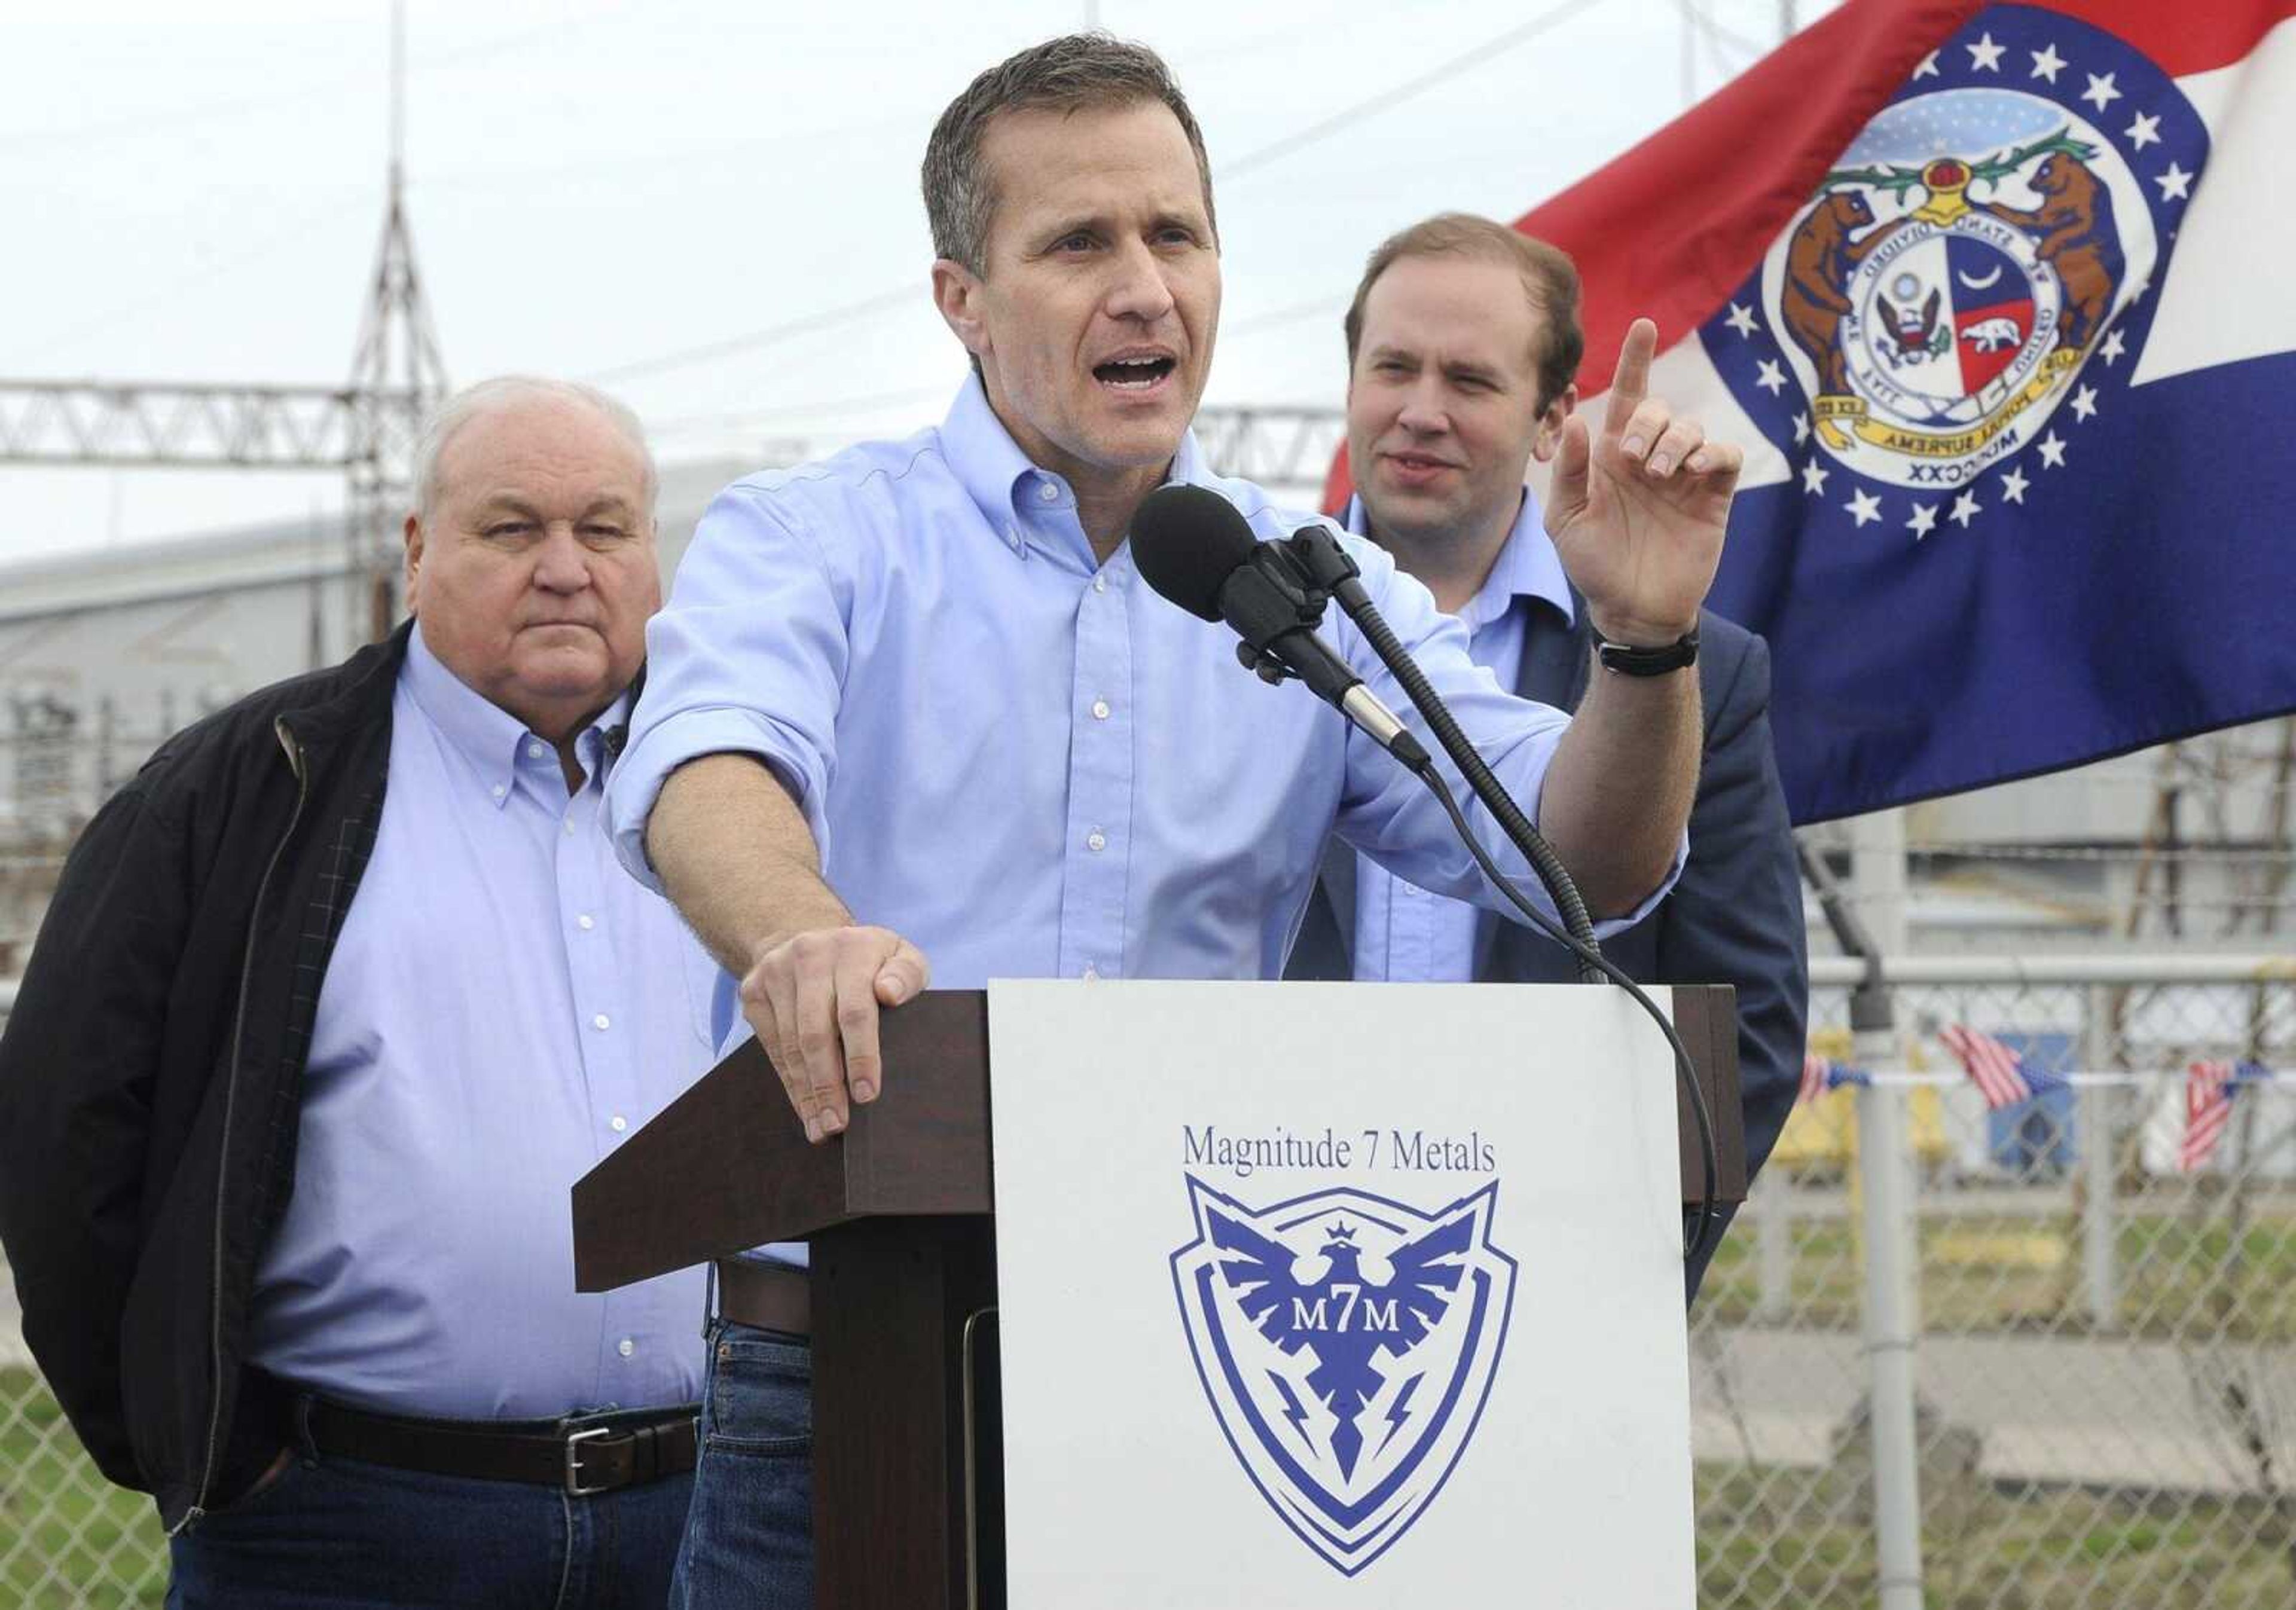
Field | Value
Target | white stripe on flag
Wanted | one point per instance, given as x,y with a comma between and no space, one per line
2219,305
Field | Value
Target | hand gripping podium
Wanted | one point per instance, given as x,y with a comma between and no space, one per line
907,1479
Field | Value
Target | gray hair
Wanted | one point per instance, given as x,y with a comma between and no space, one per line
505,391
1069,74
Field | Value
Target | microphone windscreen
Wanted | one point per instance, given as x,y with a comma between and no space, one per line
1187,541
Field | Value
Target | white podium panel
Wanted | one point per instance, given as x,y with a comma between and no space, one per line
1324,1295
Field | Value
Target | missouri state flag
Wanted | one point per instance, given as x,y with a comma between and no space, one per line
1998,299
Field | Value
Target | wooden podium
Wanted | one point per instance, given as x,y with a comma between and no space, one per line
898,1212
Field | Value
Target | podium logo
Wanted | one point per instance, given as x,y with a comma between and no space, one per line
1347,1343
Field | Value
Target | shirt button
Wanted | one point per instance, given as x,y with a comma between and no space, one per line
602,1021
569,830
586,922
1099,713
499,790
625,1347
534,749
618,1124
1100,584
1046,492
1096,840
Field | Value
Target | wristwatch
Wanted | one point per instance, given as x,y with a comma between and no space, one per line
1629,661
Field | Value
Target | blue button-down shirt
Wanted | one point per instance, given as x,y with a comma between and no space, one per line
1404,935
503,1009
1022,759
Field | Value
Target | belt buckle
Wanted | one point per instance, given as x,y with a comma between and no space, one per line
574,1441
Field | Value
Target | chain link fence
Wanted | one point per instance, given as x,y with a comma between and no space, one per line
68,1537
2105,1345
2105,1351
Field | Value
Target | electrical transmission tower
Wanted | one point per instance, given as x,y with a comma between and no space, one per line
367,429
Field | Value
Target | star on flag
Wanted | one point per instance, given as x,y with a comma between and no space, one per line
1813,477
2146,131
1984,56
1741,319
1864,507
2047,63
1924,521
2052,451
1929,67
1771,378
2084,403
2101,91
2176,184
1964,510
2115,344
2013,484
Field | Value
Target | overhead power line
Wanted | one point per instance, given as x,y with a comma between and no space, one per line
1497,46
826,319
1480,56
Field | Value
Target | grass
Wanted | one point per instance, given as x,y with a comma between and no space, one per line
2178,1278
1800,1543
68,1538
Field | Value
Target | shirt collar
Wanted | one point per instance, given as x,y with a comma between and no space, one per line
1527,567
489,737
1002,481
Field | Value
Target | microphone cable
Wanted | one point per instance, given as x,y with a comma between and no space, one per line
1326,566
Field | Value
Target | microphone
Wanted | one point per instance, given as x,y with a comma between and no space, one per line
1193,546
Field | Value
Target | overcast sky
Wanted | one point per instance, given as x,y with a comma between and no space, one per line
194,192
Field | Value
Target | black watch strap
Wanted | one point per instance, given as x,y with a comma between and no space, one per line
1629,661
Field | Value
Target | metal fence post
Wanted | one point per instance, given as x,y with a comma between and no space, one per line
1878,863
2098,1168
1773,1206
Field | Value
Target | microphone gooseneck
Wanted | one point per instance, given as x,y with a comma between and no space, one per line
1196,550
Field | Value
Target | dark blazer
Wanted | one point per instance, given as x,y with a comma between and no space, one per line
1733,917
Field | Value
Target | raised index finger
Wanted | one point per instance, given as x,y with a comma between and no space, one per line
1632,382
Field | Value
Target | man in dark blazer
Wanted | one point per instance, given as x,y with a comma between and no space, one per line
1463,344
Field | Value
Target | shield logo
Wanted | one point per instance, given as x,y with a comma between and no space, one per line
1347,1343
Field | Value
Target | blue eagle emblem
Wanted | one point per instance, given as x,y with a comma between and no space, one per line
1347,1343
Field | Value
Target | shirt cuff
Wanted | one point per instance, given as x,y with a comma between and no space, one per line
1610,926
687,736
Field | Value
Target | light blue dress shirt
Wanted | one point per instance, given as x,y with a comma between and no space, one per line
503,1009
1023,760
1403,934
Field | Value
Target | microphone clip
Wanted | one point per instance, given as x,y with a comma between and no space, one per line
1267,601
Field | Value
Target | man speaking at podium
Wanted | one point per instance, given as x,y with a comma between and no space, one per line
1463,350
916,702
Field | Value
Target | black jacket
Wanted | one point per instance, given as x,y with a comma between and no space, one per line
1733,917
150,1073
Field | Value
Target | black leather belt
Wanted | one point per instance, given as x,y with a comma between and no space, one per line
769,1296
582,1455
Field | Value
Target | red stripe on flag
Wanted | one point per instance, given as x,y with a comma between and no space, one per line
1669,229
2182,39
1996,1071
2208,1108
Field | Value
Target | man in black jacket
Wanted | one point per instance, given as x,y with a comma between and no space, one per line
1463,346
334,1000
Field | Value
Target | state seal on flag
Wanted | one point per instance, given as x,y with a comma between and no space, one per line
1968,278
1939,303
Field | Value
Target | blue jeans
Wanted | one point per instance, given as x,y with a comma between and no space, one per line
339,1534
748,1538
